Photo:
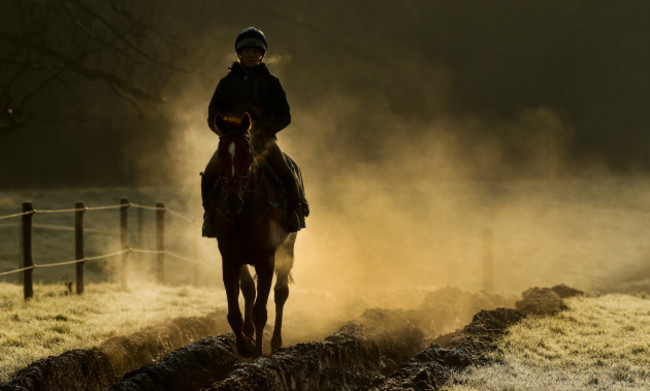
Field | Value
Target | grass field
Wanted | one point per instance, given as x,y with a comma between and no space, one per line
600,343
53,323
590,234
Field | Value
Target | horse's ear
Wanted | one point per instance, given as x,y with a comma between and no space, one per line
246,122
220,123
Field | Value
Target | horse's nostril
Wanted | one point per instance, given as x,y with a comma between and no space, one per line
234,205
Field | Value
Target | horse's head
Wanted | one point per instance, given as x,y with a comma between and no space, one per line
235,156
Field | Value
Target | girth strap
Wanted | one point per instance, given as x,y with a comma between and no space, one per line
265,168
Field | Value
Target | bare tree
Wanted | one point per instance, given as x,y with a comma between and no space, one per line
49,47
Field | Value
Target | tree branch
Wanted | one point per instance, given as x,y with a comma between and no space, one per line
92,74
51,45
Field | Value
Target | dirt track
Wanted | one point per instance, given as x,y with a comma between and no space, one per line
382,350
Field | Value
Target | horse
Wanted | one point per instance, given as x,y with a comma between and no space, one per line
249,226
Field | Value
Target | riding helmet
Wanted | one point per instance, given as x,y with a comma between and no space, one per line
250,37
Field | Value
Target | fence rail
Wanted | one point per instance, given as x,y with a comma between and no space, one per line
80,258
105,207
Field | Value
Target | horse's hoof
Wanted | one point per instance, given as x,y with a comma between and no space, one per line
249,330
246,347
276,344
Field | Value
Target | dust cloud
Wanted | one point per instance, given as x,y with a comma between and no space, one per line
402,205
411,190
416,211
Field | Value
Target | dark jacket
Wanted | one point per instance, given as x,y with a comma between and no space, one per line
255,91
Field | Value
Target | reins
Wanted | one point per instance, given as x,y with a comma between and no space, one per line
233,134
261,183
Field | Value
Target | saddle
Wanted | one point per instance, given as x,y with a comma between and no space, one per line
278,186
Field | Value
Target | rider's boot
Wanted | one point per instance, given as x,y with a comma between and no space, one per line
293,203
207,230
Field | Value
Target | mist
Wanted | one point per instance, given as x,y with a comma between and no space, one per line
422,129
414,210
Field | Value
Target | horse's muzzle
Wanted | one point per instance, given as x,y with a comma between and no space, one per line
234,205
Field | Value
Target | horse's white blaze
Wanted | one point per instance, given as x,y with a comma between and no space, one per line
231,149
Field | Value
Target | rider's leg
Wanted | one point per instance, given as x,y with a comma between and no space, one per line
276,160
209,178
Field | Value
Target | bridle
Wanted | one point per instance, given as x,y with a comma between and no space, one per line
261,184
225,181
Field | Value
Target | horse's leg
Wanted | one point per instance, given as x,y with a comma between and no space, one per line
231,283
264,277
248,290
283,266
281,293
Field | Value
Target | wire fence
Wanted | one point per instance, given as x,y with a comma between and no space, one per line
105,207
70,262
28,212
58,227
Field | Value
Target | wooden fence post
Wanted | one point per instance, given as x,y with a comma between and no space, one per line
27,250
124,233
160,240
80,208
488,263
21,256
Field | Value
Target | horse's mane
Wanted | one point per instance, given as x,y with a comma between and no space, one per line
231,124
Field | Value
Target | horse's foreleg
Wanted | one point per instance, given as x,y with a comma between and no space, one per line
231,284
248,290
264,278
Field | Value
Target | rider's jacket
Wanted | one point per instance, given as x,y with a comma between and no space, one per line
255,91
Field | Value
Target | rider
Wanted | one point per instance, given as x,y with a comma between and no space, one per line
250,87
